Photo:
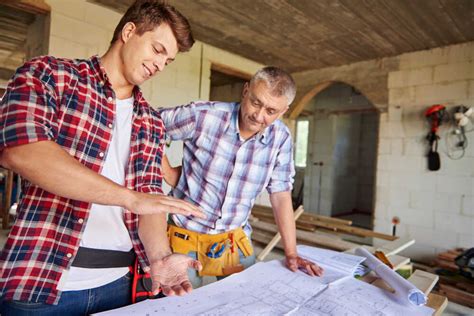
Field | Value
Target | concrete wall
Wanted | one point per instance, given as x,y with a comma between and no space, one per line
435,208
346,143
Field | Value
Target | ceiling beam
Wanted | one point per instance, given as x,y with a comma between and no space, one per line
32,6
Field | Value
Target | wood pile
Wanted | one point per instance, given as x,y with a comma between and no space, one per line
311,229
452,284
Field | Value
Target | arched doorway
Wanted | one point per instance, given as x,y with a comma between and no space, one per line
338,173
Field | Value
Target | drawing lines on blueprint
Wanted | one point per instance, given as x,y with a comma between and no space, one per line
269,298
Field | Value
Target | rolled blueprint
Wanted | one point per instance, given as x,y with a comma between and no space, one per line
403,289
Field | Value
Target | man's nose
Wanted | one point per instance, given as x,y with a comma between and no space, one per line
159,64
260,114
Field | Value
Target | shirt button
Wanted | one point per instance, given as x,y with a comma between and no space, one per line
80,221
101,155
111,125
101,83
110,99
69,255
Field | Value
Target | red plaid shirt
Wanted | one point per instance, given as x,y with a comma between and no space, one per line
72,103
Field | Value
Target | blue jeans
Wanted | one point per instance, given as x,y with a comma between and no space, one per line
113,295
196,280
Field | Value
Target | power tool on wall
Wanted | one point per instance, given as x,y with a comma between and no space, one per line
435,115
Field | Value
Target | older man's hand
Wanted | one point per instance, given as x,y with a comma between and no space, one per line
295,262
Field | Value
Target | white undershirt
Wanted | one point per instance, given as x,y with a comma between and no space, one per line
105,227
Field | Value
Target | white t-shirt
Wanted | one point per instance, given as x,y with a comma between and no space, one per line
105,227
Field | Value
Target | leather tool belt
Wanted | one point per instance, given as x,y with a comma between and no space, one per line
218,253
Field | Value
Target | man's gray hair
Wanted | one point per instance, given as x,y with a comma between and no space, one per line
279,81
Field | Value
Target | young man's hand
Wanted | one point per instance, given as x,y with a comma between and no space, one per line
294,262
144,203
171,274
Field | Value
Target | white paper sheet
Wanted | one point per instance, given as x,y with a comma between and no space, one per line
354,298
263,289
337,265
271,289
403,289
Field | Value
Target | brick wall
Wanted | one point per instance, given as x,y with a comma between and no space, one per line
435,208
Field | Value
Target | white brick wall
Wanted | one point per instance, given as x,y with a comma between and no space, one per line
435,208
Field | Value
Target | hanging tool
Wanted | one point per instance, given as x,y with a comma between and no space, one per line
435,115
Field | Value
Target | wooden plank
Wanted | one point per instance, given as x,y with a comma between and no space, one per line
438,303
457,295
277,237
315,238
306,217
358,231
423,280
396,246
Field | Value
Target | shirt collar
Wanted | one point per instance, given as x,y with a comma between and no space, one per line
101,75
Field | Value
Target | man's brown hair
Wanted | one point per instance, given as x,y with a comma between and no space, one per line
148,14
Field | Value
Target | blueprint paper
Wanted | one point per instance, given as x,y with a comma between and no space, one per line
336,265
406,291
355,298
263,289
271,289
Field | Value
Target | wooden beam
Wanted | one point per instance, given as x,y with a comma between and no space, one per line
277,237
316,238
32,6
423,280
396,246
231,71
295,111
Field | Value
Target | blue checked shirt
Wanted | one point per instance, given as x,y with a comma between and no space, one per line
222,173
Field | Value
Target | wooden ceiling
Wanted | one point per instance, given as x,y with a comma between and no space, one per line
14,25
310,34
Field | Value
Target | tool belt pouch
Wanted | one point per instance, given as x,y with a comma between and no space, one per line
226,262
243,242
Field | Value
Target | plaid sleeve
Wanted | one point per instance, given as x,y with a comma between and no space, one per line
283,172
28,108
180,122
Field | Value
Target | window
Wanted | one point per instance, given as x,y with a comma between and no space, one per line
302,132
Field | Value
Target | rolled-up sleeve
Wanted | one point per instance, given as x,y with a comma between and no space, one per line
282,177
180,122
28,108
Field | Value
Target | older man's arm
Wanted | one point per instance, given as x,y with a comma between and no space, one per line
283,212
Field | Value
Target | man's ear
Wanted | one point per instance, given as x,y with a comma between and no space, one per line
127,31
283,113
245,90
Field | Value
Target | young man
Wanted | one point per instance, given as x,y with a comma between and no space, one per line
232,152
90,147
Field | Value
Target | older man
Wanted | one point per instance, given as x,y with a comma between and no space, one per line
232,151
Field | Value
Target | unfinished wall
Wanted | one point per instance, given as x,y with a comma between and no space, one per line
435,208
344,140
